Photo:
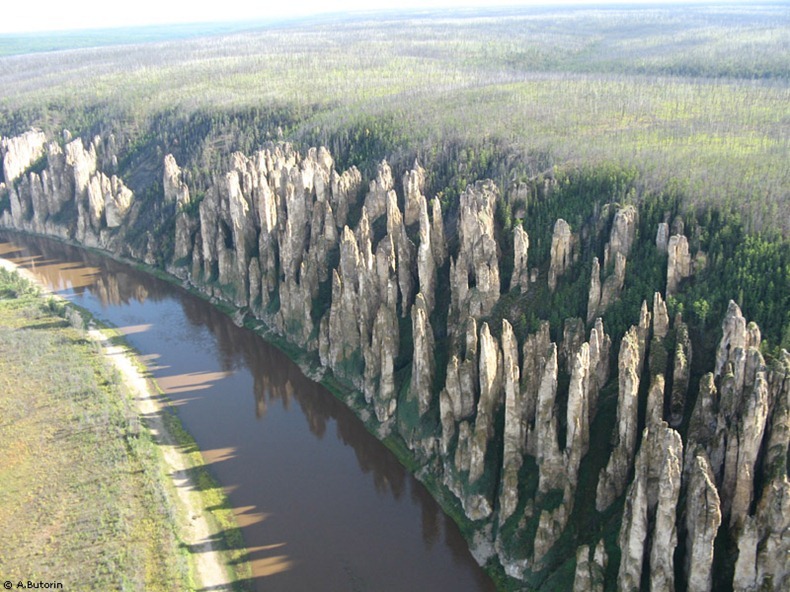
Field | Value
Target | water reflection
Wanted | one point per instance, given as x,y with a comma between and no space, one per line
80,272
300,506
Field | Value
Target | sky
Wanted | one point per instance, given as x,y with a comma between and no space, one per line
19,16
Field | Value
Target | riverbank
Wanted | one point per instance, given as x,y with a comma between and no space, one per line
101,487
277,384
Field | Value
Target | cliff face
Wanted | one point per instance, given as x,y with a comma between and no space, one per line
70,182
18,153
603,293
501,422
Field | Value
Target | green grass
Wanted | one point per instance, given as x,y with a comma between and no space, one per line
84,496
82,499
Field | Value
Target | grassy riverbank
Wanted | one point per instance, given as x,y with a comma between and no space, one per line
85,498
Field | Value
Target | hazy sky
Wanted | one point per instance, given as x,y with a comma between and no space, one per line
49,15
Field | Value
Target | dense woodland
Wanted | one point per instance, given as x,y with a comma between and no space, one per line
695,98
682,113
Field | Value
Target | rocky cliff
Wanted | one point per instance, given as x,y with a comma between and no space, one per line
43,202
498,420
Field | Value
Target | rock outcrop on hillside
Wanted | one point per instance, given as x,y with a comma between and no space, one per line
426,258
590,570
678,263
514,432
19,152
703,518
681,374
652,500
613,478
175,190
660,317
562,244
474,273
71,181
496,408
604,292
413,186
381,187
520,259
623,234
423,366
662,237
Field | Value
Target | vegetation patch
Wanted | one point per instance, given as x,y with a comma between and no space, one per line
84,496
83,499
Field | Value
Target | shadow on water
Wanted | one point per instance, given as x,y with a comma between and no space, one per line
249,443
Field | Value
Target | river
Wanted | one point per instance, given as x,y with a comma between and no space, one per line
322,504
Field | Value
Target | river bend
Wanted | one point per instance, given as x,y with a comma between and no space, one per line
322,504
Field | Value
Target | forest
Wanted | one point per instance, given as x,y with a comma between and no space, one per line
693,96
582,114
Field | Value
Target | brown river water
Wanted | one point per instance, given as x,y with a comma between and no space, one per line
322,504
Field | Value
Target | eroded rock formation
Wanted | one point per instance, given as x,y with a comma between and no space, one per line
613,477
19,152
662,237
590,571
495,409
515,426
652,500
422,365
520,259
703,517
71,181
474,274
679,262
562,243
